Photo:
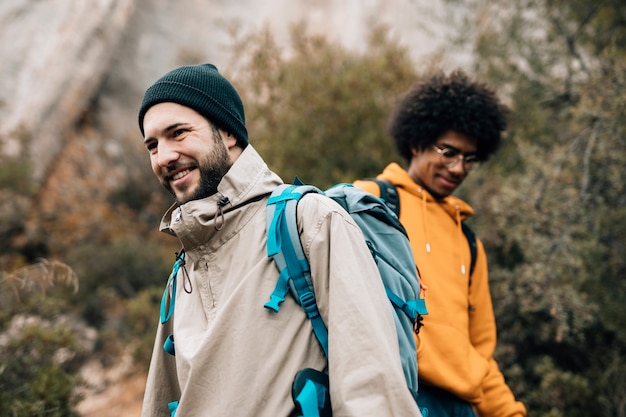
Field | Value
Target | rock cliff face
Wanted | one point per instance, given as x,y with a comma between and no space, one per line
55,56
71,63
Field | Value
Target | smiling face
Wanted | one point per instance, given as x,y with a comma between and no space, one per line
188,154
428,169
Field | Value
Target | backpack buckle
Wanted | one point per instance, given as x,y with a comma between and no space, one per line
307,301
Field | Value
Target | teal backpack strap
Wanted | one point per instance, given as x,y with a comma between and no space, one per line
412,308
389,194
284,246
311,394
471,239
167,308
307,400
168,346
172,407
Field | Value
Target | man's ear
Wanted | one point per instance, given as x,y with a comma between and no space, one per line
229,139
232,145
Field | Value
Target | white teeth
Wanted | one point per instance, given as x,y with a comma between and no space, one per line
181,174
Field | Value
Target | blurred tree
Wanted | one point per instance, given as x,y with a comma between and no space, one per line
123,266
32,383
104,231
551,207
317,110
39,342
141,323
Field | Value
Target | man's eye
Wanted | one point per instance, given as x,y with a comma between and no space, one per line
151,146
449,153
178,132
471,159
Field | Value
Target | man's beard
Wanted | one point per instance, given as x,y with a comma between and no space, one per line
212,169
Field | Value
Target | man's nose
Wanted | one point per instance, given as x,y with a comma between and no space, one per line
458,167
166,154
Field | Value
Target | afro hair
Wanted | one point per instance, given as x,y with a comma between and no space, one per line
440,104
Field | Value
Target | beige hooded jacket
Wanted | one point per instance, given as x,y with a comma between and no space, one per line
236,358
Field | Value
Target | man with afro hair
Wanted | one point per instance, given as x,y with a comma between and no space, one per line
444,127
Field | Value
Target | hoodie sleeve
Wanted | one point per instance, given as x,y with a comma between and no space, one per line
497,399
363,364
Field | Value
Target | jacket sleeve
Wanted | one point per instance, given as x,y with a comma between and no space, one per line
365,372
162,383
497,399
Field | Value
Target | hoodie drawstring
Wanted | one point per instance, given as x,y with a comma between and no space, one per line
219,216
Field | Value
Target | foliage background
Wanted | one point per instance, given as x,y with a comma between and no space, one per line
550,207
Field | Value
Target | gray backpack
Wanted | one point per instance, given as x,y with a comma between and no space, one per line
389,245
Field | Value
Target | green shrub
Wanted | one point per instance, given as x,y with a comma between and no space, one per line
36,378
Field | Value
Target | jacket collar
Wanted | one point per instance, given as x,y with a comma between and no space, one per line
456,208
452,205
194,222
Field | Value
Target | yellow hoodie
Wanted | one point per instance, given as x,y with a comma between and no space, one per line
456,344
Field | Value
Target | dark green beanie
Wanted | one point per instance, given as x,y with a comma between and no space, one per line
204,89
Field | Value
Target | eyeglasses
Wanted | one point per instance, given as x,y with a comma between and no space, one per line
450,156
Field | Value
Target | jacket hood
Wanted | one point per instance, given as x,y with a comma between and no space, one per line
454,206
431,210
247,181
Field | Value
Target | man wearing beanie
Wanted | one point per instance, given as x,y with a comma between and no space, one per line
218,351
